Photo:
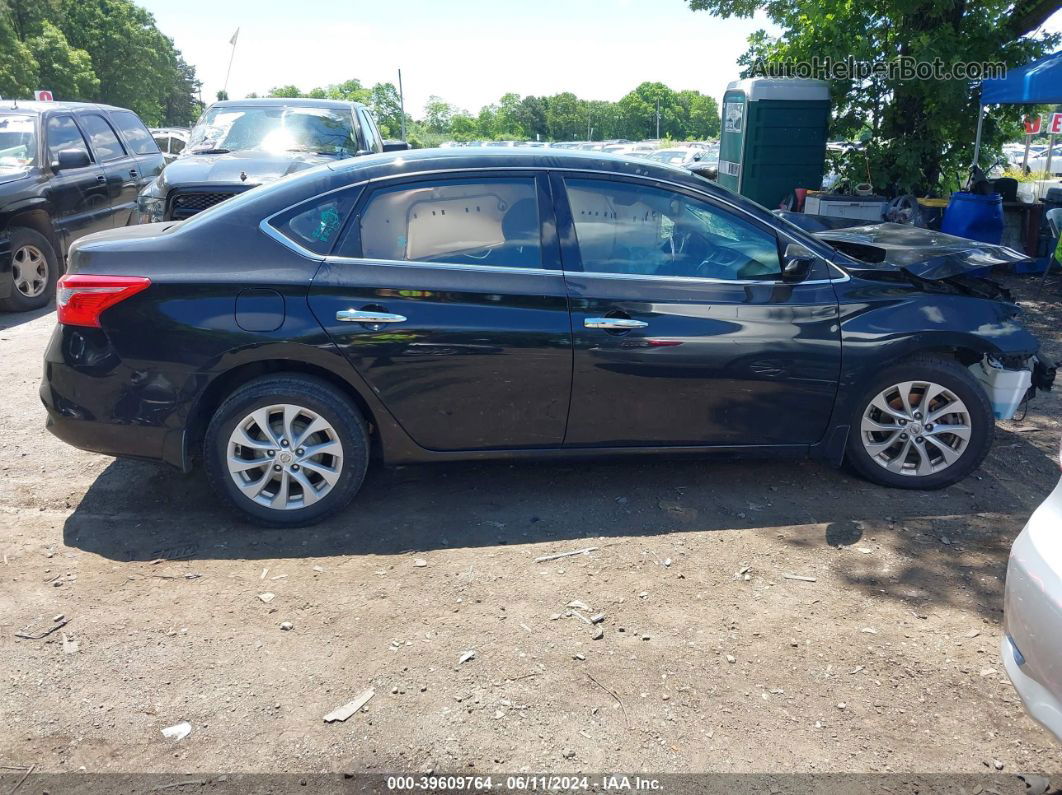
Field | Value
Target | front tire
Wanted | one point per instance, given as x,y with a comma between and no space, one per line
924,423
286,450
33,271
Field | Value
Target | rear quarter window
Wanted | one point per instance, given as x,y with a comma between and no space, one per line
315,225
135,133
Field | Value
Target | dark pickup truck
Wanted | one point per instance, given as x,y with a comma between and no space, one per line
240,144
66,169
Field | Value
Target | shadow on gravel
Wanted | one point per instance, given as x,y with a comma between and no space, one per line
139,512
12,319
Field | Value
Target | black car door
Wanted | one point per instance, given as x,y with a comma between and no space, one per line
78,196
119,167
685,333
446,295
140,145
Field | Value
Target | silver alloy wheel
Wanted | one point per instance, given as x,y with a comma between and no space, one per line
915,428
29,269
284,457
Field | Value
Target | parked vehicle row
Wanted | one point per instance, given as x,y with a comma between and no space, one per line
67,169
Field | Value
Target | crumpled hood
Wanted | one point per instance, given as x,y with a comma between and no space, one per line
259,166
923,252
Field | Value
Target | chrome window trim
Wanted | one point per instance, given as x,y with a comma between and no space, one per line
402,263
284,240
699,279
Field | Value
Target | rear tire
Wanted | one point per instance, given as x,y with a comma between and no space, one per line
33,271
286,450
924,423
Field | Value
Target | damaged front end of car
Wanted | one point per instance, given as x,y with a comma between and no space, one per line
1008,365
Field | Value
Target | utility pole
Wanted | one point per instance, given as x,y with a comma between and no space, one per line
402,104
589,130
658,119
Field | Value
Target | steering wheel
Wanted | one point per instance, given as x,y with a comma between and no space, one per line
721,262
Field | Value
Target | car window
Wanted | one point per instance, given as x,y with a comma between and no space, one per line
469,222
162,142
315,225
63,134
627,228
136,134
104,142
176,145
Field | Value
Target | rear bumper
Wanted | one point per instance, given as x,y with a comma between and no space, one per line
1040,703
96,403
1032,643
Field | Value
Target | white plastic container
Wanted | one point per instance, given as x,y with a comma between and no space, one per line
1005,388
871,209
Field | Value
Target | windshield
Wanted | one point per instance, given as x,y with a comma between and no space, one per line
18,144
318,130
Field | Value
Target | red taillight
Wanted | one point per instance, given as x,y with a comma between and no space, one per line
80,298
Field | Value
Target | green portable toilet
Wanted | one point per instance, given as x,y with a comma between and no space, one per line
774,137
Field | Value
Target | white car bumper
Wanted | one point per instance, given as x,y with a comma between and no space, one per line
1032,642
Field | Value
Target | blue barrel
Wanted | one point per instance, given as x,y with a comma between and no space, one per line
976,217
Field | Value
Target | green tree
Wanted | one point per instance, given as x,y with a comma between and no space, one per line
463,127
531,116
507,118
922,130
136,64
18,67
182,106
285,91
348,91
387,108
64,70
566,117
437,115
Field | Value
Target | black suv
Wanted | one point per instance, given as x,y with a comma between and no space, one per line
242,143
66,169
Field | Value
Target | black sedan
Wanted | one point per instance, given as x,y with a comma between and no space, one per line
467,304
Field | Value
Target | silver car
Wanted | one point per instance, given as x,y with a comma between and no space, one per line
1032,637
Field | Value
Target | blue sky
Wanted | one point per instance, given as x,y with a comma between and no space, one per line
469,52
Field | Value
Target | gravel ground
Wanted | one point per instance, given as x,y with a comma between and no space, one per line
710,658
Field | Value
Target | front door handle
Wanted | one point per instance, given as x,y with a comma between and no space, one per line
371,318
614,323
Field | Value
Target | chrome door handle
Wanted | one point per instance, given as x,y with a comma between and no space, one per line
371,318
614,323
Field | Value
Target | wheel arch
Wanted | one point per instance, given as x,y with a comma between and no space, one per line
227,382
39,219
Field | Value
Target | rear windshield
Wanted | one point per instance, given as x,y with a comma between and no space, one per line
18,143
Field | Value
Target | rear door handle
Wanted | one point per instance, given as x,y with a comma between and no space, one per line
614,323
362,316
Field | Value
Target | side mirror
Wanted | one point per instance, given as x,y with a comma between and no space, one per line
71,158
798,263
396,146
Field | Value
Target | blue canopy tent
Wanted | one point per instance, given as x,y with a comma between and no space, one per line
1038,83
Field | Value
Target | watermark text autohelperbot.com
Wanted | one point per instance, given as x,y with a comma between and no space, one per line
900,68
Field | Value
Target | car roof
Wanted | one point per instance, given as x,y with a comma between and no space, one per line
23,106
286,102
459,158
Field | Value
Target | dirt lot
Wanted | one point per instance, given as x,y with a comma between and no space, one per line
711,659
